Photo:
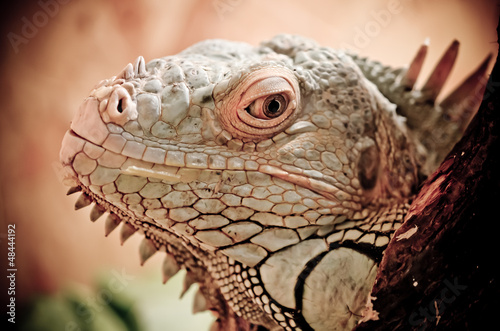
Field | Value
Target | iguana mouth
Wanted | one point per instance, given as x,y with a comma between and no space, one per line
170,172
117,215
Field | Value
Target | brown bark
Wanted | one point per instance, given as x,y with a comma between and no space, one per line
444,275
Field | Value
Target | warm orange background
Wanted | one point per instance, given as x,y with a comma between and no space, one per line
44,80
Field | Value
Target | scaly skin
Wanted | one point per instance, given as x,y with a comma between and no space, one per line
276,175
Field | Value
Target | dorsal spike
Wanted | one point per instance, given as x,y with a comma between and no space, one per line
73,190
460,104
169,268
188,281
146,249
200,303
83,201
126,231
127,72
422,115
139,67
440,74
96,212
411,74
112,221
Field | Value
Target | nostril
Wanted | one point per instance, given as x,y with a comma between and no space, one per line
119,108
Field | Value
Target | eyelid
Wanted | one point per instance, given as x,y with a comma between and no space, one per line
265,87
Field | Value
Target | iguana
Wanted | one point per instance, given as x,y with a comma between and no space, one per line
275,175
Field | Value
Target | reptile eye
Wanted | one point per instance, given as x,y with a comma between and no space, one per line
260,104
268,107
268,101
274,105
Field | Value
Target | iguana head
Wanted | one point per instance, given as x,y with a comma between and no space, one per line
240,159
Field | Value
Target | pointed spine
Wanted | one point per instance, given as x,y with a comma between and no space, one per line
126,231
140,67
73,190
199,302
440,74
470,87
411,74
169,268
127,72
112,221
96,212
146,250
83,201
188,281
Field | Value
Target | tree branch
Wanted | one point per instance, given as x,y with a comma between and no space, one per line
439,271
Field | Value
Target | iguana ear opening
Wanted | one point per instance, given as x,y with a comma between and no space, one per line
389,166
369,167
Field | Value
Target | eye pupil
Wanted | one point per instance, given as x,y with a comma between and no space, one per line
274,105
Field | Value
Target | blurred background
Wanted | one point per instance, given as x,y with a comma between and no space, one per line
54,51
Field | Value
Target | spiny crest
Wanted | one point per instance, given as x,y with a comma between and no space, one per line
147,247
138,69
437,126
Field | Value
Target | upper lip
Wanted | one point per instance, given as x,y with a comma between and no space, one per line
174,174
